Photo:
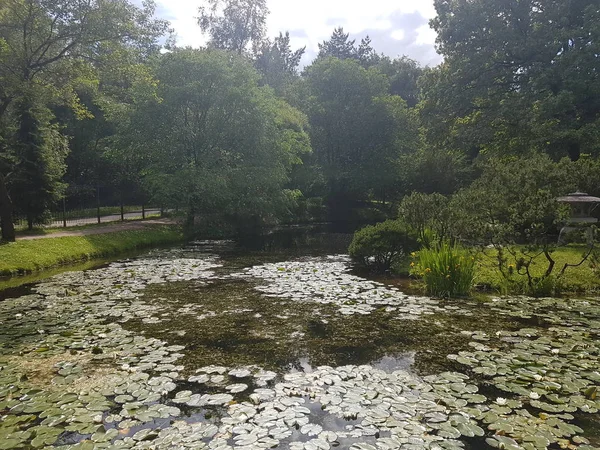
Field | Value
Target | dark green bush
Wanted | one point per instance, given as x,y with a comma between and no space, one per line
379,246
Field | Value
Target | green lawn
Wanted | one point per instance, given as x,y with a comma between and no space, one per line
28,256
576,279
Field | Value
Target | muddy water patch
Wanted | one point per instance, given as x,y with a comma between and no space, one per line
230,322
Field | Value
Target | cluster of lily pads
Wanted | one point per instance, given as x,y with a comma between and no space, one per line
71,377
328,281
96,373
393,410
547,374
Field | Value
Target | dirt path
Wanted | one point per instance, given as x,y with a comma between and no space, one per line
112,228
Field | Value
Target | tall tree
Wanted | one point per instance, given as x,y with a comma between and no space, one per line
277,62
234,24
216,139
40,149
341,46
338,46
52,46
404,74
358,130
518,74
366,54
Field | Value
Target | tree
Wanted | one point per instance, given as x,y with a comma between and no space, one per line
366,54
234,24
512,213
518,75
435,170
40,149
358,131
513,200
404,74
426,214
50,47
277,62
216,139
340,46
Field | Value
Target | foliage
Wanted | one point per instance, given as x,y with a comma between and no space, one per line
358,131
513,201
50,49
41,150
447,269
234,24
215,140
277,62
87,97
379,246
432,170
530,84
404,74
36,254
341,47
426,214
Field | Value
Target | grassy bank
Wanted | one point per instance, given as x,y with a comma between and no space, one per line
28,256
576,280
581,279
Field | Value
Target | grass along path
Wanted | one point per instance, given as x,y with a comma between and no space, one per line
36,253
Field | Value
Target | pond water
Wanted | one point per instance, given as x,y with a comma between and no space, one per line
214,346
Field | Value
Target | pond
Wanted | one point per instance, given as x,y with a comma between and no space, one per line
212,346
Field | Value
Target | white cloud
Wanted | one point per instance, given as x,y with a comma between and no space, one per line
312,21
398,35
425,35
183,17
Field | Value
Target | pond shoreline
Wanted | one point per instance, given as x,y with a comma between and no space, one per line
35,256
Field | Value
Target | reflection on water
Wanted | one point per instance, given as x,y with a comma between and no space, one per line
387,363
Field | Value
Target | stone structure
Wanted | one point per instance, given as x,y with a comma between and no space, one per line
582,207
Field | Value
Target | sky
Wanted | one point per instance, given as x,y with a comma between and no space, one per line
396,27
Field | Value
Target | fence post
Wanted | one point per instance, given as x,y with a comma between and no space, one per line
121,202
64,211
143,211
98,202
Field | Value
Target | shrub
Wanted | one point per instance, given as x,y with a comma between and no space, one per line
448,270
379,246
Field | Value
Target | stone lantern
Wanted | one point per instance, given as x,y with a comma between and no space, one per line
582,206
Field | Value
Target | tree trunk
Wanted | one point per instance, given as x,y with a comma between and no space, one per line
6,212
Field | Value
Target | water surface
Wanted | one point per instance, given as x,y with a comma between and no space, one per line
280,344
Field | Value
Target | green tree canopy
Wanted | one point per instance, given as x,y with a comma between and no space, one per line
215,138
341,46
277,62
518,75
358,130
47,50
234,24
404,74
